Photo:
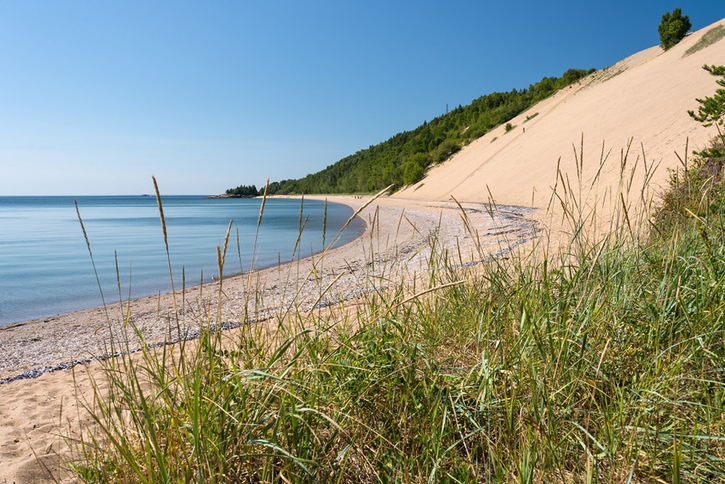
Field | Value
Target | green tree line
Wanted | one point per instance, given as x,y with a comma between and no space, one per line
403,159
243,191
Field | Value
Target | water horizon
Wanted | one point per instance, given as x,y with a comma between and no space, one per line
46,269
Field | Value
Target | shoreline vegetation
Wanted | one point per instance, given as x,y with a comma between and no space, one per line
593,358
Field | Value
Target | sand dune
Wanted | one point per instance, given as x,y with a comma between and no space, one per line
643,98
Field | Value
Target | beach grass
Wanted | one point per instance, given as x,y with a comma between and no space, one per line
599,359
710,37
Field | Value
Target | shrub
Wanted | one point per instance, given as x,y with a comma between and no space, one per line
673,28
445,150
414,171
570,77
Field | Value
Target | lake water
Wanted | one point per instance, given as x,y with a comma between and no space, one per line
45,267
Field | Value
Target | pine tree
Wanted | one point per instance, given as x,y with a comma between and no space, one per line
712,109
673,28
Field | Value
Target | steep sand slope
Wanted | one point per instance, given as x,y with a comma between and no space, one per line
644,98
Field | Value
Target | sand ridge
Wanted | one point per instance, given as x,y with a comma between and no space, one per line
643,99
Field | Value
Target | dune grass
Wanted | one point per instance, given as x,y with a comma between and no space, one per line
600,361
710,37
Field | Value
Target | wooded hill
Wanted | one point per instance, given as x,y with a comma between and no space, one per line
402,159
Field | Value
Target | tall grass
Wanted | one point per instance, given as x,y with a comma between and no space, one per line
601,361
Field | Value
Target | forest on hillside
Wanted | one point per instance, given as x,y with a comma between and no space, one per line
403,159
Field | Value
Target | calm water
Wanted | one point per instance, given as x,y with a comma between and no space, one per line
45,268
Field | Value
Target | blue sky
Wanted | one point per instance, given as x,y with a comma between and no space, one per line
95,97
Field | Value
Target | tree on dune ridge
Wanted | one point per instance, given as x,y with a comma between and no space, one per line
673,28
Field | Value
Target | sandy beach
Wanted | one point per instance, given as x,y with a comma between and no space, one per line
397,232
36,356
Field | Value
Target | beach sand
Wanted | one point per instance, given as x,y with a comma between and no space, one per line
399,237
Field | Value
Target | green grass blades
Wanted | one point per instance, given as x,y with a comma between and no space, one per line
602,362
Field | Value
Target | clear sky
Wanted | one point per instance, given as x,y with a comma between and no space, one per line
97,96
